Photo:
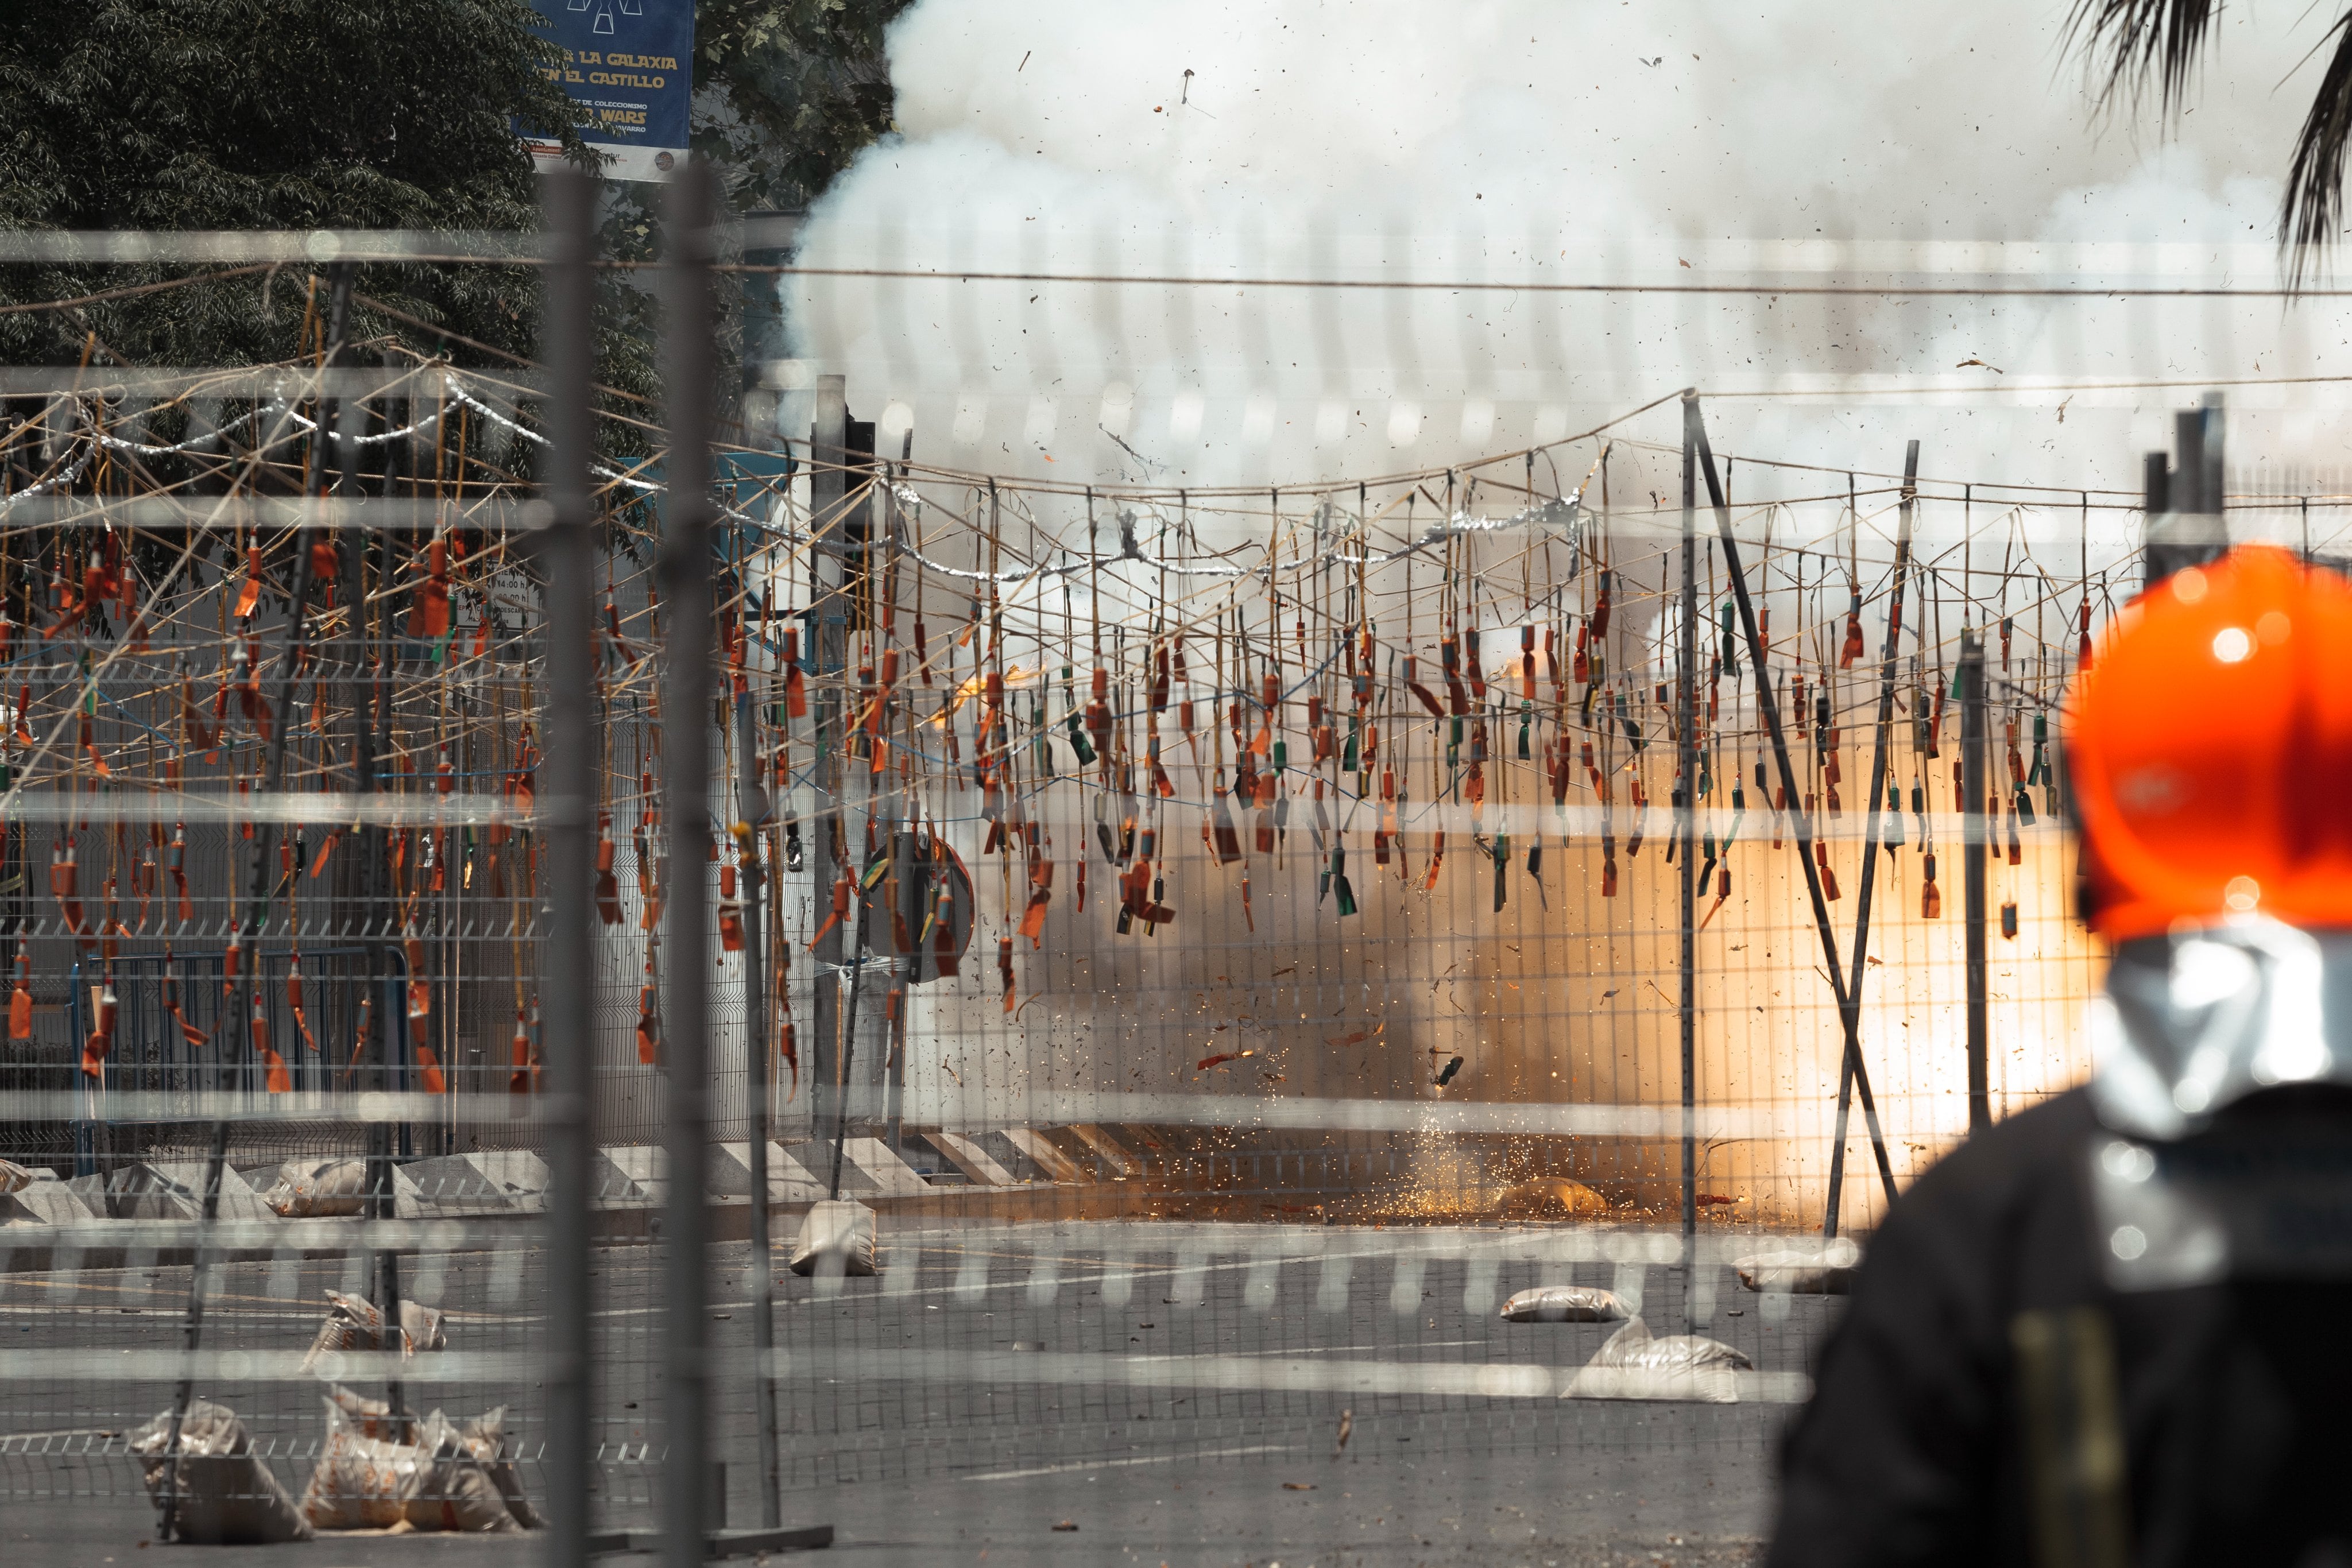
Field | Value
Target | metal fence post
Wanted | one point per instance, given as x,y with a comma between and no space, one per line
828,639
568,1044
1979,830
1686,804
752,809
686,371
1850,1015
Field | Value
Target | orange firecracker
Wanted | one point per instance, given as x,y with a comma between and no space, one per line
273,1066
20,1000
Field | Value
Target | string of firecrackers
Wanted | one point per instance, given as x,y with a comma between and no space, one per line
1012,768
1603,712
241,674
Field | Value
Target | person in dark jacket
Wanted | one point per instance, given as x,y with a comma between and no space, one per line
2112,1329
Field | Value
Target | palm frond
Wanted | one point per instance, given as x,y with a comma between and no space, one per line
2313,209
2130,44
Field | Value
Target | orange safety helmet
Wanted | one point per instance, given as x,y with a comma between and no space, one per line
2209,751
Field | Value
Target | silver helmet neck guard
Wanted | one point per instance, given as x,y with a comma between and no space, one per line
2191,1022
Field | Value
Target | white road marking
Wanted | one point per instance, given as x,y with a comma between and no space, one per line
1115,1464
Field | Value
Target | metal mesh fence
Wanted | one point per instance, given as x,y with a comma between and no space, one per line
1291,978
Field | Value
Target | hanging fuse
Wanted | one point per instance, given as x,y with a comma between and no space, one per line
1225,845
20,999
608,885
731,912
1427,698
294,1003
1270,706
946,956
420,987
428,610
840,910
1098,717
99,1043
649,1030
275,1077
248,593
795,685
176,862
522,1058
1449,653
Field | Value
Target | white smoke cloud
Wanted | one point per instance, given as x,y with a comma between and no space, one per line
1543,142
1553,140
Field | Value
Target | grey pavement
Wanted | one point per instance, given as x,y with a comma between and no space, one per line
996,1383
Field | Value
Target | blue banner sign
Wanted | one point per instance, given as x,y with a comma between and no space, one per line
629,68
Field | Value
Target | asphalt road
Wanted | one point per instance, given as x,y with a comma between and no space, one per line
1173,1393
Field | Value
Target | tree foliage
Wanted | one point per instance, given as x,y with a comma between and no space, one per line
795,87
2131,45
374,114
268,114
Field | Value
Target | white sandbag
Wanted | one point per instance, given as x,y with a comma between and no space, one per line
836,1237
473,1486
1634,1365
484,1439
362,1482
226,1497
1565,1304
448,1479
372,1417
318,1189
354,1322
1826,1271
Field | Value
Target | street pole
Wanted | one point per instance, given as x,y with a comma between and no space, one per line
566,554
751,813
1686,804
1850,1012
828,639
688,370
1978,833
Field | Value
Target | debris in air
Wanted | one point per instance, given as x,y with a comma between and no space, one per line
1551,1197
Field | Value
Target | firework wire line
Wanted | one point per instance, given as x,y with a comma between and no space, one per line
517,249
